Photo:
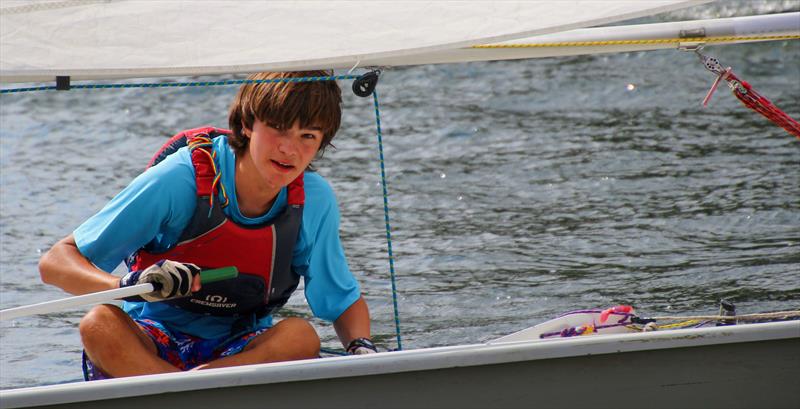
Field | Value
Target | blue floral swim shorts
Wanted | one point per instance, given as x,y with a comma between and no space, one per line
181,350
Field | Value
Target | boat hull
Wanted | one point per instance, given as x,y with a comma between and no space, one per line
715,367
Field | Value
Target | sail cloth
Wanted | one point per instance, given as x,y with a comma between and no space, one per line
103,39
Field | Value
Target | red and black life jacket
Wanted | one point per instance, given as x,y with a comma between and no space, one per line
262,253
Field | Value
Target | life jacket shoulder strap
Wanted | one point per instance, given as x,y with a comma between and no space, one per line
180,140
199,141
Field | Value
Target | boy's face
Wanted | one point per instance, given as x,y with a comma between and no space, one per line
281,155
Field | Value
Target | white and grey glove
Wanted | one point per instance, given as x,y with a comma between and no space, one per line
361,346
171,279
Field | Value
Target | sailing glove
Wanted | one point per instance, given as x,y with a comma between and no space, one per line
170,279
361,346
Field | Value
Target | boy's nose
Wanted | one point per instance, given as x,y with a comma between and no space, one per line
287,145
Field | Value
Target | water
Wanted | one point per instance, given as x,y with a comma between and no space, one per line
518,190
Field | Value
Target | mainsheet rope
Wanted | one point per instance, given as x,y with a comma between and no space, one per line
356,78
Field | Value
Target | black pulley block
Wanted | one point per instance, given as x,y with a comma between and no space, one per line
364,85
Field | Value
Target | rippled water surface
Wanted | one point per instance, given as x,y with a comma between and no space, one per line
517,190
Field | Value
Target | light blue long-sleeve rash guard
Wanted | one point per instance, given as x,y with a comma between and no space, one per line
157,206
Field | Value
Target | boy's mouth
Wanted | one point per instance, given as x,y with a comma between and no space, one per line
282,165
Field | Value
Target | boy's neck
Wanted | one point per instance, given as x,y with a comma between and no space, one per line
254,197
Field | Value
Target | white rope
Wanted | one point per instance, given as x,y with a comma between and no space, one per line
354,67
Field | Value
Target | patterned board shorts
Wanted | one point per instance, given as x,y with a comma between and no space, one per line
181,350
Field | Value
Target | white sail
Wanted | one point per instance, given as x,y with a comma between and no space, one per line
138,38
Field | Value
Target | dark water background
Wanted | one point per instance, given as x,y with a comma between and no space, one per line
518,190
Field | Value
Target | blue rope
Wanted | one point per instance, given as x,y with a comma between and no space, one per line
181,84
386,219
333,351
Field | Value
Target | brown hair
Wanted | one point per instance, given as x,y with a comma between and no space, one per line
281,103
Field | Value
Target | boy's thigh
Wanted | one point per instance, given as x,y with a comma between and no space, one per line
290,335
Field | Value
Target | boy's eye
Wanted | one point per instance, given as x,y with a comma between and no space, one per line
309,136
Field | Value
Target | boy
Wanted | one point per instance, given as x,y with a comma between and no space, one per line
242,197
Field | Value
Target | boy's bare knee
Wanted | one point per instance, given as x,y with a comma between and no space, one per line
102,313
99,323
300,327
303,335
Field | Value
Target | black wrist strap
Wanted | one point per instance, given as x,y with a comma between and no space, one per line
360,343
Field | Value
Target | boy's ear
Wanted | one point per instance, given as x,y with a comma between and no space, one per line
245,130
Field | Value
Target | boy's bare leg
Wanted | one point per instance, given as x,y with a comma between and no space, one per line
289,340
117,346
